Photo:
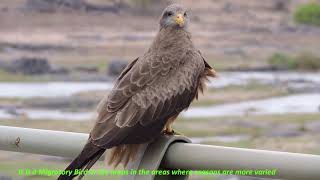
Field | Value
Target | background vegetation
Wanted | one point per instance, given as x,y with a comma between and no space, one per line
308,14
304,61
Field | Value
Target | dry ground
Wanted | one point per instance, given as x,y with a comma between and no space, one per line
230,33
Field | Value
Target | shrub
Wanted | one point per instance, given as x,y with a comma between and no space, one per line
282,61
308,14
304,61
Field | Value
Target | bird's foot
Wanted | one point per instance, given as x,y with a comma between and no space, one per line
170,133
166,132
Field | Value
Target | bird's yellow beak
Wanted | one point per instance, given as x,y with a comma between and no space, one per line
179,20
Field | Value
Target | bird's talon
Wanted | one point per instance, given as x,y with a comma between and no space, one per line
176,133
170,133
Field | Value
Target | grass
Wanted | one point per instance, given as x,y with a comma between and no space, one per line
304,61
203,128
230,94
282,61
221,63
102,66
282,118
11,101
233,94
98,62
300,144
11,168
308,61
10,77
16,77
72,126
308,14
192,127
85,126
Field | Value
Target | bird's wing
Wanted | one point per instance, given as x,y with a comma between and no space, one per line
148,90
208,67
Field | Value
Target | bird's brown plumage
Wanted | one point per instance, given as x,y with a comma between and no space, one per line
149,94
153,89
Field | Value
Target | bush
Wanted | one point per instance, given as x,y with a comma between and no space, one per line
281,61
308,14
305,61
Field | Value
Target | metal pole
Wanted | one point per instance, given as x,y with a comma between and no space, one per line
202,157
46,142
178,156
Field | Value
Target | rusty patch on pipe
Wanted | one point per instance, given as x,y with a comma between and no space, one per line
17,141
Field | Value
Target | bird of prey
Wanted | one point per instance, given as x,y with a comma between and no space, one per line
148,95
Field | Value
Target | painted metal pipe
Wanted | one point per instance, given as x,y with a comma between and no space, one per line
38,141
293,166
178,155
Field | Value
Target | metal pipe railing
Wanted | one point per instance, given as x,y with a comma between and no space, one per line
178,155
38,141
287,165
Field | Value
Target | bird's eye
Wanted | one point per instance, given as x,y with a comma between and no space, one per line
169,13
185,14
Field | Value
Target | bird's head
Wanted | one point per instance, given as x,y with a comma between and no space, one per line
175,15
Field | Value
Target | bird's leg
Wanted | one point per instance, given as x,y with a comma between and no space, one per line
168,130
176,132
168,127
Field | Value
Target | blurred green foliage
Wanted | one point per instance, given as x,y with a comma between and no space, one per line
304,61
282,61
11,77
308,14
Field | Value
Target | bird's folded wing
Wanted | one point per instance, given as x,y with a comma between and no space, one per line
150,89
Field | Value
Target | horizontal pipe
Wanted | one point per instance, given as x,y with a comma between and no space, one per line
206,157
46,142
178,155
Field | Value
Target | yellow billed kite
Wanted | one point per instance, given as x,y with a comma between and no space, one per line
148,95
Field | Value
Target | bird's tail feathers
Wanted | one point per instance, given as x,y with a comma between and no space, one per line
122,154
84,161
